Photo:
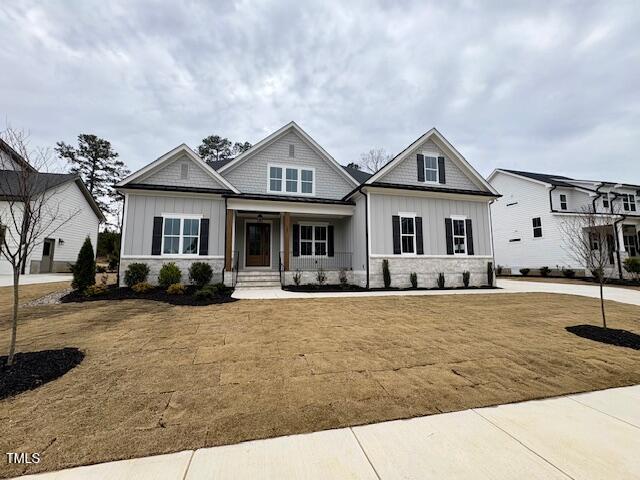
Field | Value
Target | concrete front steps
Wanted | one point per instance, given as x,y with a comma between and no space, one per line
258,279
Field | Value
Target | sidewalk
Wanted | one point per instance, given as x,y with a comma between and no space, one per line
588,436
30,279
617,294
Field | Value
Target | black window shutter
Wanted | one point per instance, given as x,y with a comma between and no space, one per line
441,172
156,242
296,240
330,240
420,161
395,221
469,231
204,236
448,228
419,246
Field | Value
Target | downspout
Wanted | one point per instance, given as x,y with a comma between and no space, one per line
551,199
224,268
366,231
493,249
595,199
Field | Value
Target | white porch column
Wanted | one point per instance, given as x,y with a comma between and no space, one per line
620,234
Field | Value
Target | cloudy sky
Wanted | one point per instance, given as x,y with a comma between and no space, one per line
521,85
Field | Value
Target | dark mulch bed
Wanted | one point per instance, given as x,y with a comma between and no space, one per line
157,294
32,369
356,288
610,336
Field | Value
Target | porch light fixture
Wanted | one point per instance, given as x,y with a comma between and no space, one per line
260,218
60,241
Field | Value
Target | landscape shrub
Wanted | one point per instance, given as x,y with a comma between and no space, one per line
413,278
499,269
95,290
113,262
101,269
176,289
321,277
386,274
568,272
297,277
466,276
342,276
597,274
84,271
545,271
490,275
441,280
200,273
169,274
632,265
525,271
141,287
136,273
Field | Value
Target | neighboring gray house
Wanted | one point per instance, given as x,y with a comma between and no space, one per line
286,206
69,216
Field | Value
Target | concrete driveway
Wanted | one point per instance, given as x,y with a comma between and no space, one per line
7,280
589,436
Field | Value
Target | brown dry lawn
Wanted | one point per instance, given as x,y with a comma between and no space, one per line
158,378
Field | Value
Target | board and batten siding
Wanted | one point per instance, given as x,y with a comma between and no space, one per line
406,172
252,175
433,211
170,175
141,208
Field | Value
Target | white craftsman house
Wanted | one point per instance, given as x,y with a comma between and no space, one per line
70,214
527,220
287,207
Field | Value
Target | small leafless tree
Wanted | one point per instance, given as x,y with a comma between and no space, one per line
29,210
374,159
588,235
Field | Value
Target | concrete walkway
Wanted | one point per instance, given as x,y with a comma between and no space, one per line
7,280
588,436
623,295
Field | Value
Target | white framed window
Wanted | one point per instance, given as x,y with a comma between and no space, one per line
537,227
291,180
459,235
275,179
431,169
605,200
628,202
313,240
180,234
594,241
563,201
407,233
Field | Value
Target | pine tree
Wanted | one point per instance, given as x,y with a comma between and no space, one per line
215,148
98,166
84,271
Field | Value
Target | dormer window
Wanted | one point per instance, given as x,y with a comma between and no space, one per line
184,171
291,180
605,200
431,169
628,202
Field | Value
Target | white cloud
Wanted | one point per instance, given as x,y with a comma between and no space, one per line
534,86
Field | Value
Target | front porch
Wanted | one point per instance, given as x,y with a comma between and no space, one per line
301,241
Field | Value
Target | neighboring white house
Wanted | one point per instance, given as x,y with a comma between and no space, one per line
527,219
68,201
286,207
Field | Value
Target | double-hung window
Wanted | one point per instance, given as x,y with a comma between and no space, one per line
629,202
537,227
291,180
459,236
180,236
431,169
563,201
408,234
605,200
313,240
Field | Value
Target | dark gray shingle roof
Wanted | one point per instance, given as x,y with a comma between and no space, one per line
10,181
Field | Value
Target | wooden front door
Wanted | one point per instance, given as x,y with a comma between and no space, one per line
258,244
